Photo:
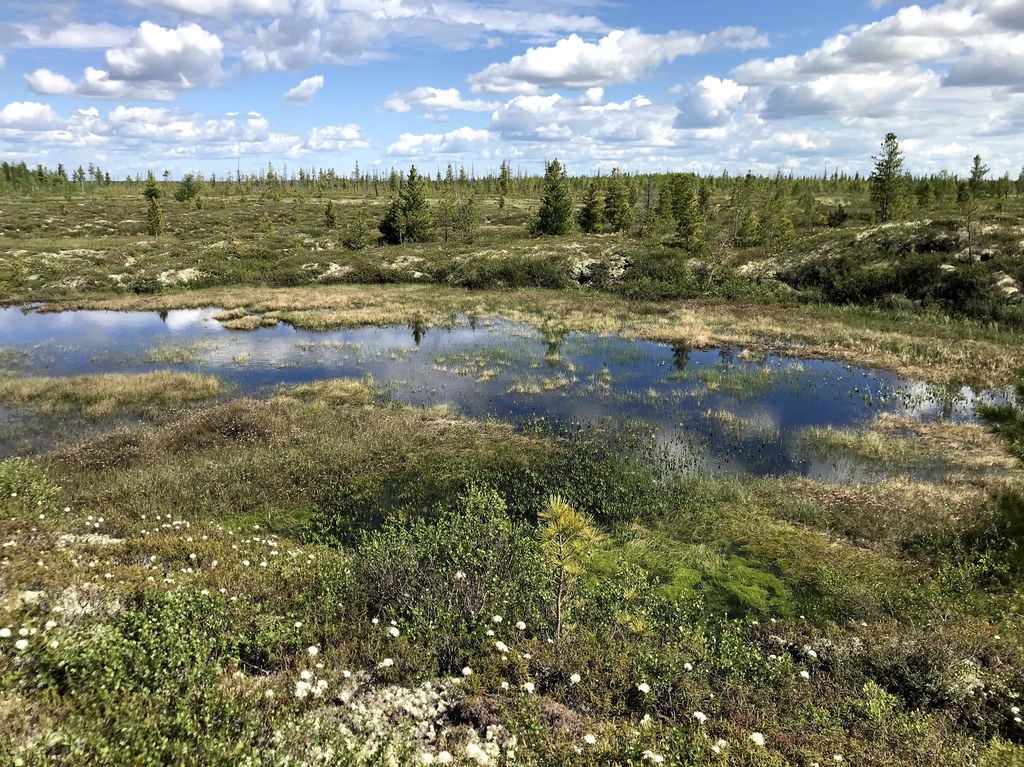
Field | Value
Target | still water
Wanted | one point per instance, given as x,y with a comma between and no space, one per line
716,410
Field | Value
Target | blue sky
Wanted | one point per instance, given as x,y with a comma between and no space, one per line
203,85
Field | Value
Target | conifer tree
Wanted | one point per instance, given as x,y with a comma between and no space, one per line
589,217
887,179
555,214
618,211
408,217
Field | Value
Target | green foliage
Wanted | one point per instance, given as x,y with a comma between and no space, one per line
330,219
618,210
567,539
155,225
444,578
24,483
188,189
887,183
408,218
555,214
589,217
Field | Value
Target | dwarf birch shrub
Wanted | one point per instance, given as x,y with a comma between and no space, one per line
444,578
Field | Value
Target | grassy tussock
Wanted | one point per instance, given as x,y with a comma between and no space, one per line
107,394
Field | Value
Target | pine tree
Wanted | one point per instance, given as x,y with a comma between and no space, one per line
887,179
555,214
589,217
330,220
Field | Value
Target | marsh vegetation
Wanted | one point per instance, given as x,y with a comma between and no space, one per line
319,500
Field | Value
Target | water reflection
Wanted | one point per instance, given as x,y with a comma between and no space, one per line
714,410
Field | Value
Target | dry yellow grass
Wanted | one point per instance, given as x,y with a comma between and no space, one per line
101,395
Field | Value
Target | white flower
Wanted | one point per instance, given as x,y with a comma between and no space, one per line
528,686
302,689
321,683
700,716
5,632
644,687
426,758
812,654
504,685
837,758
497,619
575,679
467,671
54,644
393,631
489,632
687,667
1013,709
757,738
805,674
444,757
306,675
476,753
501,646
590,739
386,663
653,758
521,626
719,745
21,644
459,575
313,651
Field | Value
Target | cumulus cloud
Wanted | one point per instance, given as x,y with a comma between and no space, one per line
154,65
437,99
710,102
622,56
28,115
304,92
458,141
336,138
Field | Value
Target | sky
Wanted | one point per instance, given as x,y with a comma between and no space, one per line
680,85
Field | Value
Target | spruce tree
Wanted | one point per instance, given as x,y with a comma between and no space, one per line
618,211
589,217
887,179
408,218
155,225
555,214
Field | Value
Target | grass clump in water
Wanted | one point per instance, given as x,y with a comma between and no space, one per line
97,396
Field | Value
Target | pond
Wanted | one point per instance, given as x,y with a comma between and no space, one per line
715,410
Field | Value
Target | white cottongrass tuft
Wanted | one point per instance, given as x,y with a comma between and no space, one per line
393,630
529,686
757,738
467,671
520,625
653,758
575,679
644,687
590,739
700,716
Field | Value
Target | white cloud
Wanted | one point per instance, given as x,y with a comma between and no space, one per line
431,98
457,141
305,90
222,8
336,138
357,31
622,56
73,35
188,56
3,61
710,102
154,65
28,115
